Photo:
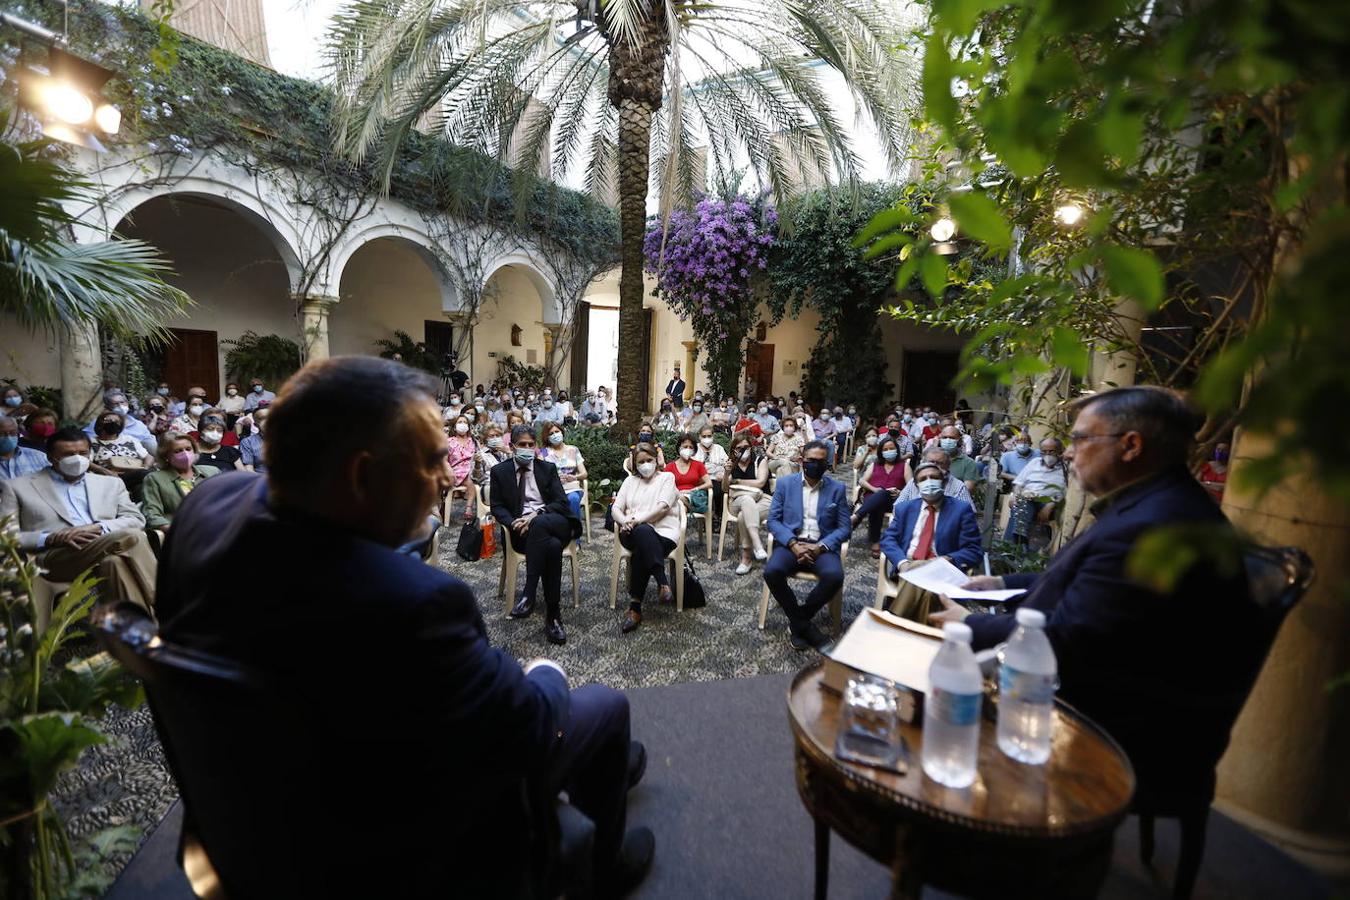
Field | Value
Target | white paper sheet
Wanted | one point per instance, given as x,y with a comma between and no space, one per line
941,577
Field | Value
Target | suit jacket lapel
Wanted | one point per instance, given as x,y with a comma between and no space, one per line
54,500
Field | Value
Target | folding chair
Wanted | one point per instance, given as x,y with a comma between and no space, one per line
586,508
707,518
836,602
727,521
449,501
675,559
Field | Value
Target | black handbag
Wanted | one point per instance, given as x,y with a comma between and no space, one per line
694,595
470,546
609,517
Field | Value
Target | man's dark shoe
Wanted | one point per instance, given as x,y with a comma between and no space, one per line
631,622
554,631
635,861
637,763
524,606
808,637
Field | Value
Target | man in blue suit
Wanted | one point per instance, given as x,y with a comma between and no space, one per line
1164,669
436,747
809,521
925,528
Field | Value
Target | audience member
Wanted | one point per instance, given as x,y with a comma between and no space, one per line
843,427
765,418
1214,473
111,452
251,447
953,487
808,519
864,456
38,427
714,459
925,528
11,398
691,478
529,502
785,449
232,403
962,466
648,518
461,452
155,415
217,445
676,386
479,735
1037,489
492,451
698,419
187,422
549,410
116,401
882,485
1012,462
257,395
16,461
592,410
73,520
165,488
745,481
570,462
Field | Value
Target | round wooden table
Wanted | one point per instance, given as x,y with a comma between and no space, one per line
1019,830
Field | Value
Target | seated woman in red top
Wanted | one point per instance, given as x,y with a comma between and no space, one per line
883,484
690,475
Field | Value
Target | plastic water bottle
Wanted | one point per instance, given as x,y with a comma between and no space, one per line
1026,690
951,710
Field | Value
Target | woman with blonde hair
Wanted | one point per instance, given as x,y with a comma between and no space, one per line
166,487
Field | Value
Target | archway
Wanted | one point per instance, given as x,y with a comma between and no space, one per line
512,321
389,284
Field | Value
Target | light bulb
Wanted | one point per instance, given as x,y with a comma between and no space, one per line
108,118
943,229
68,104
1069,214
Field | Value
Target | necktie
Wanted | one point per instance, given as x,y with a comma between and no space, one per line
520,483
925,548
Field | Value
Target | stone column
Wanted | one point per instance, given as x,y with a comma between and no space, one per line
314,325
81,372
1285,773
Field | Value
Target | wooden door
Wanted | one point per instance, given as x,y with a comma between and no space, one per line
759,370
192,360
581,345
439,338
928,379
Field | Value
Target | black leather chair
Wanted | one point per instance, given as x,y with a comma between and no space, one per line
216,718
1278,578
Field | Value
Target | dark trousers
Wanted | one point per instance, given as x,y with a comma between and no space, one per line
649,551
716,510
783,563
592,766
874,508
542,547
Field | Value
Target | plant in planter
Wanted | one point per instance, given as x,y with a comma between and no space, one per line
50,701
412,353
270,357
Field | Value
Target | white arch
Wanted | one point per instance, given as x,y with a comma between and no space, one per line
550,309
413,238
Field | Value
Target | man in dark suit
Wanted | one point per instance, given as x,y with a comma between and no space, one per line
675,387
434,745
1150,665
529,501
809,523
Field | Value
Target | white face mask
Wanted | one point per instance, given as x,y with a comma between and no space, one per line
461,428
478,407
122,408
74,466
871,440
454,401
495,443
746,454
646,469
232,392
706,441
196,409
556,437
212,437
686,453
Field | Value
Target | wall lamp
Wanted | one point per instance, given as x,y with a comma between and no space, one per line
66,96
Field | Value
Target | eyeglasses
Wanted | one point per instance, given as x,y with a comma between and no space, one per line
1079,437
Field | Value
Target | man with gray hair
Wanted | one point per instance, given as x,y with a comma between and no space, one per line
1163,667
951,485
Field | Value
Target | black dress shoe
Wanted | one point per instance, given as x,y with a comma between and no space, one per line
637,763
631,623
809,636
554,631
635,861
524,606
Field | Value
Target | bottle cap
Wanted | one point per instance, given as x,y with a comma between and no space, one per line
957,631
1031,618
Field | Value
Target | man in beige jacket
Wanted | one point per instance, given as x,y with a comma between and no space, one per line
73,520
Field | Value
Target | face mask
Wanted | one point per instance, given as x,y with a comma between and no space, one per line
1023,449
13,401
789,430
42,429
495,443
555,438
74,466
746,454
122,408
110,429
646,469
1050,459
852,412
163,392
257,389
182,459
948,444
1220,455
871,440
930,489
232,392
9,443
908,419
524,455
698,407
212,437
644,437
196,410
686,453
893,432
454,401
706,441
814,468
890,455
461,428
156,408
763,410
478,407
520,404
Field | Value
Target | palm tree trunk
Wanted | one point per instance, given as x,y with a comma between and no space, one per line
635,125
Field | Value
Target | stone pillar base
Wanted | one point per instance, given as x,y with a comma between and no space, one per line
314,325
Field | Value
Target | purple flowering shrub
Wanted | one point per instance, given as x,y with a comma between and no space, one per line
705,271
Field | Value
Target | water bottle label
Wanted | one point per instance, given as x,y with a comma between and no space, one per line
1028,687
954,709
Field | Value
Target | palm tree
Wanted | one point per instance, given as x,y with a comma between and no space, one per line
47,280
597,81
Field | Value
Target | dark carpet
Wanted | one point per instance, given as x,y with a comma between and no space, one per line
719,793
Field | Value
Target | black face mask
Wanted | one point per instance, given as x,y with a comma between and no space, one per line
644,438
893,432
109,429
814,468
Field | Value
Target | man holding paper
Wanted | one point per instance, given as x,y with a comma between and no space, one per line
925,529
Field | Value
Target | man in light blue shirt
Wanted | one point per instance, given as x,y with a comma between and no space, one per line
257,395
766,421
549,411
1012,462
16,461
251,447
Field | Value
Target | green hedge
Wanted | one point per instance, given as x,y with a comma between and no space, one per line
605,456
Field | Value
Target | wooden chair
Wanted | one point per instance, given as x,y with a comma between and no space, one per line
511,562
836,602
675,560
707,518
